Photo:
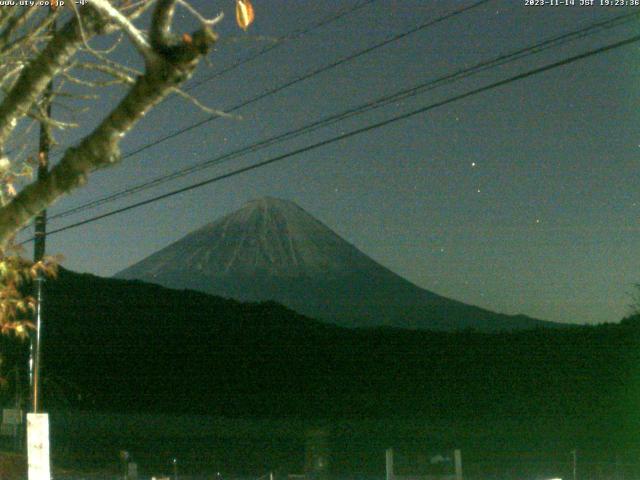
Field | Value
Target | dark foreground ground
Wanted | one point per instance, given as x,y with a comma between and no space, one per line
240,388
88,446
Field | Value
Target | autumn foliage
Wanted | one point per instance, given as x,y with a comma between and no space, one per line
16,277
244,13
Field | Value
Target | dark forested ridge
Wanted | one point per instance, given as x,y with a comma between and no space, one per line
125,346
211,355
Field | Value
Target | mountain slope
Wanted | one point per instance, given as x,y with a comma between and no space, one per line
272,249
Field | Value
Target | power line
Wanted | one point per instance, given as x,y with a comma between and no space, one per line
358,131
299,79
306,76
395,38
370,105
278,43
281,41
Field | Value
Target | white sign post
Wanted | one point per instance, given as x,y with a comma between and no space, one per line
38,446
457,458
389,463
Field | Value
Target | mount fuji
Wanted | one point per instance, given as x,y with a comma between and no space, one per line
271,249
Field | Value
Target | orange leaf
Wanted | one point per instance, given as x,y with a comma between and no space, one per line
54,4
186,38
244,13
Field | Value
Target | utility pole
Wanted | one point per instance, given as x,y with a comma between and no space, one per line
37,425
39,248
44,146
39,463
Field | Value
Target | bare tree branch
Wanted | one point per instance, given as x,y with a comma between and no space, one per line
211,111
172,62
35,76
161,24
7,46
14,22
31,56
136,36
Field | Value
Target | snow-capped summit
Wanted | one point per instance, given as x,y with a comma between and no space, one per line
271,249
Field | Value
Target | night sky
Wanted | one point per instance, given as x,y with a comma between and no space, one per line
523,199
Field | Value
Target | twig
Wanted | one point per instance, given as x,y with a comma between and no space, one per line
204,108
